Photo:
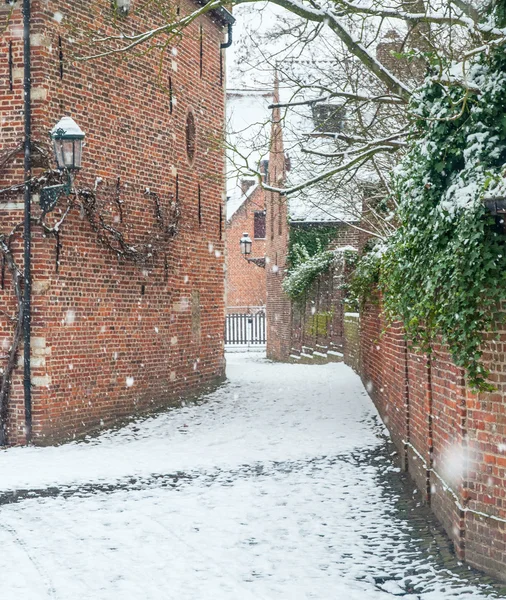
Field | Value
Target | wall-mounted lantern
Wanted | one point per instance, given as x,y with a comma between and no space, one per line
123,6
246,244
68,140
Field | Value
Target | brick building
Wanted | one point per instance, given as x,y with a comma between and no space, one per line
311,329
126,315
246,288
248,126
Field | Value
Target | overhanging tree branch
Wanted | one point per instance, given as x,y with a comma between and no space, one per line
358,160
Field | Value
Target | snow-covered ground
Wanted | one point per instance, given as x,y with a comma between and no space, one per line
273,488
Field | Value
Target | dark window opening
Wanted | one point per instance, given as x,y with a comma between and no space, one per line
171,99
328,118
177,188
58,252
201,49
259,225
271,217
190,136
264,169
221,67
200,205
11,68
220,208
280,220
60,56
143,289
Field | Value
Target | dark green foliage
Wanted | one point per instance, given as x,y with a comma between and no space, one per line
444,270
364,279
313,239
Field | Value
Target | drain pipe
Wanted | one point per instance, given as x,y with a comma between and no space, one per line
228,43
27,316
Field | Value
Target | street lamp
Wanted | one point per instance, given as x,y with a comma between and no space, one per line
246,243
68,140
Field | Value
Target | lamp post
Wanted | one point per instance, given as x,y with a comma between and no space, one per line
246,244
68,141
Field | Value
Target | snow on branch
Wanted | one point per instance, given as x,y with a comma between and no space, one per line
423,17
382,99
357,160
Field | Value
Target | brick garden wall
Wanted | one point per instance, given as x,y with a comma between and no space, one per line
451,440
351,341
112,337
246,285
317,327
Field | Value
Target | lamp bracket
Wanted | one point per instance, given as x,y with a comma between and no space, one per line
259,262
49,195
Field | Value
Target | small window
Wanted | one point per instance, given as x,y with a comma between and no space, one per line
190,136
259,226
328,118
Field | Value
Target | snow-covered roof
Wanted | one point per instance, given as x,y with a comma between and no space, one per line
235,201
324,202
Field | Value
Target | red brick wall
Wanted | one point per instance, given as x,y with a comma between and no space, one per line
101,323
279,309
351,341
317,322
452,441
245,283
325,298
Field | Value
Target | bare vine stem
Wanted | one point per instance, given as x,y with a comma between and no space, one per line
167,223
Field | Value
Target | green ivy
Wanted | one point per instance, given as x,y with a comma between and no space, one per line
443,273
308,267
313,239
364,280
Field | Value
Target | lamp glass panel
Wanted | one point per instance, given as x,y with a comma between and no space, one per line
78,153
68,153
246,245
58,150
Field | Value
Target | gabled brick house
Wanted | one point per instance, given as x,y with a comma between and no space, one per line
248,124
246,287
128,298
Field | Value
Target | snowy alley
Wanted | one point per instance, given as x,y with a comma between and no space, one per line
279,485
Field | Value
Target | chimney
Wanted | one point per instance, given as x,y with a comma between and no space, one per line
264,169
246,184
